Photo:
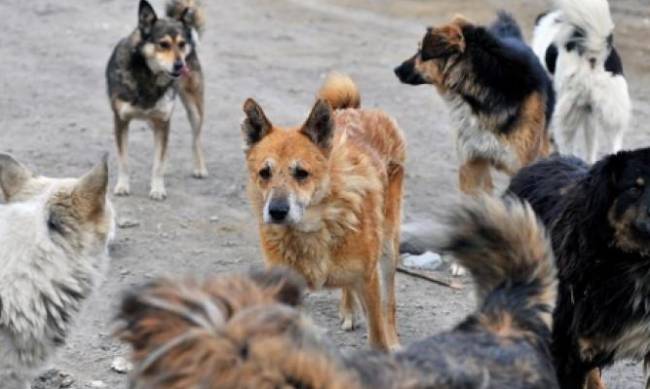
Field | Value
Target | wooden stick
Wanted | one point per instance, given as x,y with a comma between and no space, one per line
430,278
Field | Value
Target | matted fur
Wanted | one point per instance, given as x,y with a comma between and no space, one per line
328,198
53,252
500,97
233,332
600,228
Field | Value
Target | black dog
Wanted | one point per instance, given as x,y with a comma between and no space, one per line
599,221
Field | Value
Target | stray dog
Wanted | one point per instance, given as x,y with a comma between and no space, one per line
500,97
575,43
145,73
53,251
244,331
328,196
599,222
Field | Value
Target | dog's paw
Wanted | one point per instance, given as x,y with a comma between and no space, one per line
158,194
200,173
122,189
457,270
347,324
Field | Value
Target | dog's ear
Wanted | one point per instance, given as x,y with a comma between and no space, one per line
284,284
319,126
256,125
90,191
146,17
443,41
602,181
13,176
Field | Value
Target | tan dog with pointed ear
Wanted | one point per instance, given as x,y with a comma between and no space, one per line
328,197
54,235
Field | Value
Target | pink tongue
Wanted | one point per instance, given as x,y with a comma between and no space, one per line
185,71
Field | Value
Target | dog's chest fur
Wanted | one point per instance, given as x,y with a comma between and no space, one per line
42,288
474,140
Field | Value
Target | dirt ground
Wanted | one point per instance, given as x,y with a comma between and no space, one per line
54,115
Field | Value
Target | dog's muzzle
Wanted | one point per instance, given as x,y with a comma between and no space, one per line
406,74
278,210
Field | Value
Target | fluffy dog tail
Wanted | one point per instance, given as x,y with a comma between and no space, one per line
593,17
507,251
237,331
190,11
340,91
506,26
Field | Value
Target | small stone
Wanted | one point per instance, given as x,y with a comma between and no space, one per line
97,384
125,272
214,219
121,365
127,223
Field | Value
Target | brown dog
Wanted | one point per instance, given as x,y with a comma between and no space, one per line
328,196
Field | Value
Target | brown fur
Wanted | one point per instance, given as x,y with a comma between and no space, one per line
348,235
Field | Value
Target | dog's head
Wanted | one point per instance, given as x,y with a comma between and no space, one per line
440,48
76,211
288,167
165,43
621,187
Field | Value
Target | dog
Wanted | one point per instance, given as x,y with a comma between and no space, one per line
328,197
575,44
54,235
600,227
500,98
146,71
245,331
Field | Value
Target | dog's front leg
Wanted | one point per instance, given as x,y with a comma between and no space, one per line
161,138
122,188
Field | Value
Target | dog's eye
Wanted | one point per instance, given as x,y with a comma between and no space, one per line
165,45
181,45
265,173
300,174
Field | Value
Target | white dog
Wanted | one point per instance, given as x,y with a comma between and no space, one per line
54,235
575,44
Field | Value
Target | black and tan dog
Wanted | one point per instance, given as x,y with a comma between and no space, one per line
244,332
599,221
499,95
145,73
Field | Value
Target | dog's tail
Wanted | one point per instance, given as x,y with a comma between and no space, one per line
237,331
506,26
340,91
509,255
592,17
188,11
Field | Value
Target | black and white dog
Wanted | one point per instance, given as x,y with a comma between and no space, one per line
575,43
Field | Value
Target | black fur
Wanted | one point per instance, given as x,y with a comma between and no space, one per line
551,58
540,17
604,289
506,67
613,64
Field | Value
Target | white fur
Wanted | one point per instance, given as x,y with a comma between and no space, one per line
590,100
37,274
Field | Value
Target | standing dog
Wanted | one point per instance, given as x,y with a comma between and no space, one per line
599,220
500,97
575,43
328,196
53,251
145,73
244,332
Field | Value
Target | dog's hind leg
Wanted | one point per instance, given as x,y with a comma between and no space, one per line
191,93
122,188
474,176
347,310
161,138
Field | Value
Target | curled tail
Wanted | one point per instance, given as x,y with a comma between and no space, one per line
506,26
340,92
237,331
189,11
506,250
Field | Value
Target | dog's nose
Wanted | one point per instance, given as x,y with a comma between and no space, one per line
592,61
278,210
178,65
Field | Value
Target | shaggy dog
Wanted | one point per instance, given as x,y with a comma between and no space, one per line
599,221
53,252
575,43
328,198
245,332
499,96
